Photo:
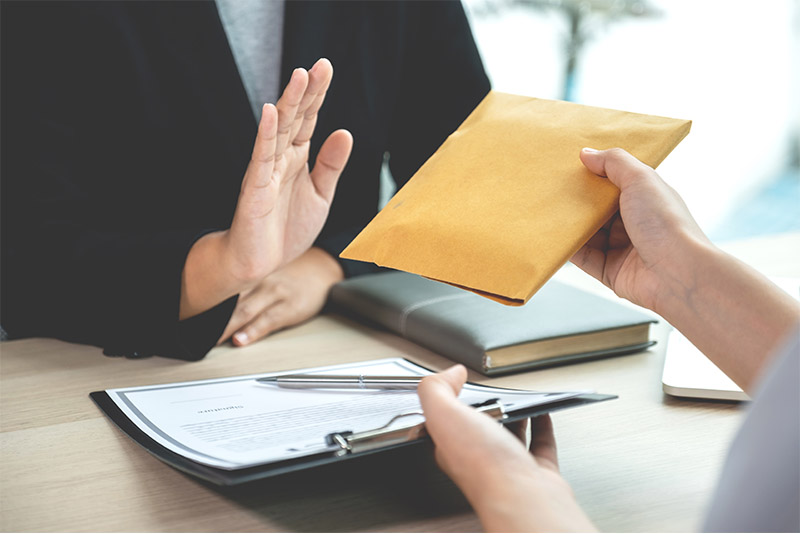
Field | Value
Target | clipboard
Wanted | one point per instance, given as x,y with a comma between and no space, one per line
401,430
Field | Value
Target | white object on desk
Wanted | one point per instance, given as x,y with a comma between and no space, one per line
689,373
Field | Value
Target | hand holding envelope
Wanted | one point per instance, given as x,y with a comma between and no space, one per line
505,201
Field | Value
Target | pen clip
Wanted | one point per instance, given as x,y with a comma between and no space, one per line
390,434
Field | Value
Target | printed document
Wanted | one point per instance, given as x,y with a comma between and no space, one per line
237,422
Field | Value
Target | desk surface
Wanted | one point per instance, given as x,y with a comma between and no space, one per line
644,462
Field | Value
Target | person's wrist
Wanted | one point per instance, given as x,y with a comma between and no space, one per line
546,495
681,278
206,279
494,483
329,267
242,271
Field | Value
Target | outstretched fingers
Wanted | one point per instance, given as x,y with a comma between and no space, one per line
320,77
332,158
262,160
288,108
300,103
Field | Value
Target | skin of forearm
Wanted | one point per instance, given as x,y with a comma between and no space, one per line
730,311
207,277
549,504
330,266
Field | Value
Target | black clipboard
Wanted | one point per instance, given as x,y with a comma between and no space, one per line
350,445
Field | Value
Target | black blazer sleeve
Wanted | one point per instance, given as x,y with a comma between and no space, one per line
95,227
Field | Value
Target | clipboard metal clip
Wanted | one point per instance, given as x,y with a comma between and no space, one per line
394,434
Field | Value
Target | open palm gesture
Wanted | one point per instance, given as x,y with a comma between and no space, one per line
282,205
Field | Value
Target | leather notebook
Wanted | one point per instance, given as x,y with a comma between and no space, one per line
560,324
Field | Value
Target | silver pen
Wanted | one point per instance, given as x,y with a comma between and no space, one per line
343,381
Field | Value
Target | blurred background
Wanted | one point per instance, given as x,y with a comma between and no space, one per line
731,66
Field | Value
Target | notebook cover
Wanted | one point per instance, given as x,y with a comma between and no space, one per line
463,326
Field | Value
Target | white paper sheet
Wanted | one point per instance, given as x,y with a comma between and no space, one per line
237,422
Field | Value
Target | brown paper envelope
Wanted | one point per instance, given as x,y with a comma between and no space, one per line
505,201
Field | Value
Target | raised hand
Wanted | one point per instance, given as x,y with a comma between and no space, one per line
282,204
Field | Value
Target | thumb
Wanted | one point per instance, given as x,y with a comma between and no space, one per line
619,166
332,158
447,383
445,415
437,393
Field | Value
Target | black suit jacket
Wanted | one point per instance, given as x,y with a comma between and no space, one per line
126,131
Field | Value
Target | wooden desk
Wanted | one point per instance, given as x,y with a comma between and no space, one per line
644,462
